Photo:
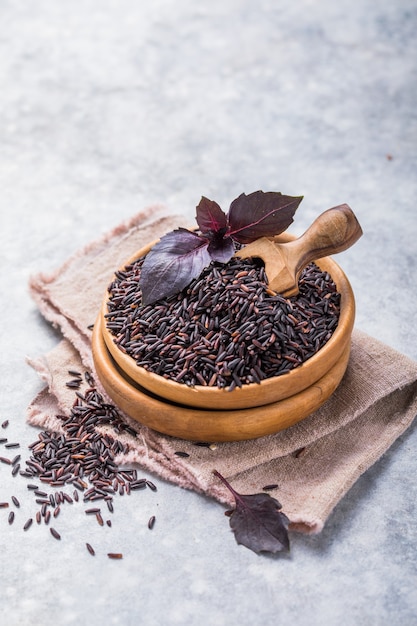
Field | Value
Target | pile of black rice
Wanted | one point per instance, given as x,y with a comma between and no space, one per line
227,328
77,464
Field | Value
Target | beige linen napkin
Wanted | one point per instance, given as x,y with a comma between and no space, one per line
313,463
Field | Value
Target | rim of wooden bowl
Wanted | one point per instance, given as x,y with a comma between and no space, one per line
249,395
204,425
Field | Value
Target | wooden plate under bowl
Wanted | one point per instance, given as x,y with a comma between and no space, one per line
250,395
196,424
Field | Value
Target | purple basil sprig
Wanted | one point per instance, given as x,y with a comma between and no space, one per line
181,255
257,521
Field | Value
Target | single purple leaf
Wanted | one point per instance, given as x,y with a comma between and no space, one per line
260,214
210,217
221,249
172,263
257,521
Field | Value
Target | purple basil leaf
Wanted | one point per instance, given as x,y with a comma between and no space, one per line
260,215
172,263
257,521
221,249
259,525
210,217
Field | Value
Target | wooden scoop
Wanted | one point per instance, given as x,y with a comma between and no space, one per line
333,231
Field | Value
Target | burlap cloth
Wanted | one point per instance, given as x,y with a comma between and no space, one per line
374,404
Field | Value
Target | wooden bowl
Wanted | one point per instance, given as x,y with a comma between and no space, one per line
209,425
210,414
250,395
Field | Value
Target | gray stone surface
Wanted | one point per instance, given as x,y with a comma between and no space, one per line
108,106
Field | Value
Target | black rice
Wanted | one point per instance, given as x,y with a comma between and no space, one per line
16,469
227,328
55,533
75,373
74,384
269,487
81,455
89,379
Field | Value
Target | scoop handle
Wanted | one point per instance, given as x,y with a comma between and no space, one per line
333,231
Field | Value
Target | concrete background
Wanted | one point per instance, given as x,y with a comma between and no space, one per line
108,106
